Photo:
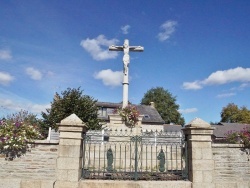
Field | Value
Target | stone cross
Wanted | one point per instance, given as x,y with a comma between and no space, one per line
126,60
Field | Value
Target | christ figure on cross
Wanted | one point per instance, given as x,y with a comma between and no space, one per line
126,60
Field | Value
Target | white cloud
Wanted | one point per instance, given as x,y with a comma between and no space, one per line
15,106
238,74
244,85
5,55
98,47
5,78
188,110
34,73
125,29
168,28
109,77
192,85
9,105
225,95
38,108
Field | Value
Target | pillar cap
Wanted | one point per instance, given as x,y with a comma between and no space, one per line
198,123
73,119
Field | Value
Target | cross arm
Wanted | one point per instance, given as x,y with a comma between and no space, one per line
115,48
131,48
136,48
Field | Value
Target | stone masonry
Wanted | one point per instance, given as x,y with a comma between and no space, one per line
50,165
200,160
69,161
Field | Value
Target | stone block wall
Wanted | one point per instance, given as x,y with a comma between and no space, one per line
231,166
37,164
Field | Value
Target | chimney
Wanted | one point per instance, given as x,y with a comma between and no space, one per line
152,104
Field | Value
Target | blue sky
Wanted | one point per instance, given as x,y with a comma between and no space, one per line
197,50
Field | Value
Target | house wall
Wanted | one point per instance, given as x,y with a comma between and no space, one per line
231,166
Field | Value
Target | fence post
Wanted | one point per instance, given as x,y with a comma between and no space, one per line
136,157
69,160
200,159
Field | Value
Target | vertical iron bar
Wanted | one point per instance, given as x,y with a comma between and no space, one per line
120,158
136,160
182,156
104,157
176,157
89,155
115,158
156,162
166,158
141,155
94,160
151,158
99,160
125,160
146,157
130,165
172,158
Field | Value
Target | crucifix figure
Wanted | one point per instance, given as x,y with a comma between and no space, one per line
126,60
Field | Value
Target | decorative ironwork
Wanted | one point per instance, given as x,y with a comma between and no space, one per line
127,155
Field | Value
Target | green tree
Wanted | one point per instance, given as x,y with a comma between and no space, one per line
233,114
244,115
165,103
229,113
72,101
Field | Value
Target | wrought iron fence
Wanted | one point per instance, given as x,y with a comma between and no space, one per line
127,155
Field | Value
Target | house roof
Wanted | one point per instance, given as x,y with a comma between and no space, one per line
222,128
151,115
231,124
172,128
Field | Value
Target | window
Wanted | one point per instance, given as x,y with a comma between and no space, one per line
102,112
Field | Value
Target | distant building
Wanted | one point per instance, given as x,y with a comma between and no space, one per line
222,129
151,119
150,114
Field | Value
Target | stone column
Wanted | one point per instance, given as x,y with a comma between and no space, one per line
200,160
69,160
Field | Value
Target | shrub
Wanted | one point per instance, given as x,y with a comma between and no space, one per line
15,136
129,114
242,136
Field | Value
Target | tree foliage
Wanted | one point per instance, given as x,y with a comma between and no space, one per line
72,101
165,103
234,114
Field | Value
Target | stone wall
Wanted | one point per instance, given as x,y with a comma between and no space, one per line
231,166
54,165
35,168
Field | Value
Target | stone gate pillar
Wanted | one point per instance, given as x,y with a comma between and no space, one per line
200,159
69,160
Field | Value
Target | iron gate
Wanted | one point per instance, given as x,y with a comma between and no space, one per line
126,155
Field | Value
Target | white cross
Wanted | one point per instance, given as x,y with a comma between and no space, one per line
126,60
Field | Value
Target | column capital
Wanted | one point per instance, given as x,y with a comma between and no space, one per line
198,127
72,123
